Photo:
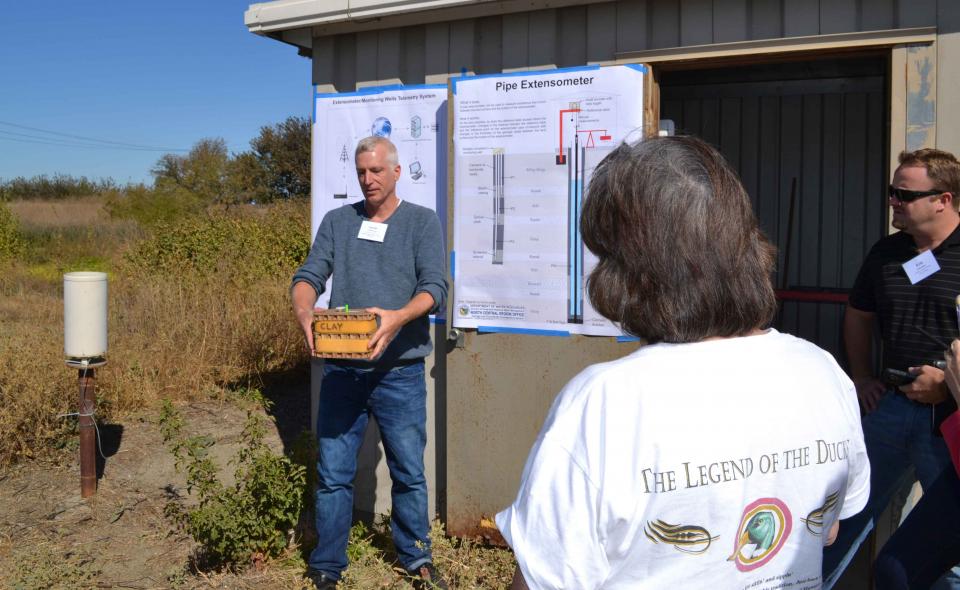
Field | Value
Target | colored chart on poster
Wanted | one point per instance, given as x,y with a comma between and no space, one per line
412,117
525,147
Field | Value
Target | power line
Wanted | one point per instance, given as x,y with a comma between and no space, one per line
60,143
94,139
74,145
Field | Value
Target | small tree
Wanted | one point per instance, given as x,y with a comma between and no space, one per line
247,179
202,172
278,166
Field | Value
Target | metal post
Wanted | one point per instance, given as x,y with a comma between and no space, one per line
88,434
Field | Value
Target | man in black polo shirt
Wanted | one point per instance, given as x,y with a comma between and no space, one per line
907,287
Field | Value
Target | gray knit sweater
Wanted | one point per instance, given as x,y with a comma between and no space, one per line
386,274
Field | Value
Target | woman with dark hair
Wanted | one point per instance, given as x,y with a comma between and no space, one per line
720,454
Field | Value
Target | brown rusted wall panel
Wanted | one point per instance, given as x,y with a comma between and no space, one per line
495,407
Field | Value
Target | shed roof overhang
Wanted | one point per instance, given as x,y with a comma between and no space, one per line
297,22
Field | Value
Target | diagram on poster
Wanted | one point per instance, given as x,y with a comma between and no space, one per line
412,117
525,147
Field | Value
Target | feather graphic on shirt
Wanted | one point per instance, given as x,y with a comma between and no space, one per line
686,538
814,520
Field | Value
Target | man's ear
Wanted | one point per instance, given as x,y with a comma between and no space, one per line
396,171
947,199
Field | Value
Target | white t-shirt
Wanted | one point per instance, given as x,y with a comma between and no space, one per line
718,464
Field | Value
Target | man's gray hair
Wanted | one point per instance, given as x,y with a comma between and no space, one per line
369,144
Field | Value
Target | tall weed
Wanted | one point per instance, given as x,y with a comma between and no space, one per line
35,386
10,242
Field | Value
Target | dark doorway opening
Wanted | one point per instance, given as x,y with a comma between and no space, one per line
820,125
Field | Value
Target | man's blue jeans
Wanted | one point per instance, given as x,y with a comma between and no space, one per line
900,444
397,400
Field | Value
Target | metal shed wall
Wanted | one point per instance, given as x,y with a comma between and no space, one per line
355,54
577,35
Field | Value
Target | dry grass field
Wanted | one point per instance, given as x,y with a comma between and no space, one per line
198,314
41,215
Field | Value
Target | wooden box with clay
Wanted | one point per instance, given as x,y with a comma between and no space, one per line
342,334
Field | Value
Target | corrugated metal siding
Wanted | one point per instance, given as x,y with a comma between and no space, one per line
576,35
829,134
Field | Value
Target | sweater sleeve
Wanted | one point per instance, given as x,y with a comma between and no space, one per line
319,264
951,434
430,266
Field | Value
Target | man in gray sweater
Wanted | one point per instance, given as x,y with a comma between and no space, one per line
385,256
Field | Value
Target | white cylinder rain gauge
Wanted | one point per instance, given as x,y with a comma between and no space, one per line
85,319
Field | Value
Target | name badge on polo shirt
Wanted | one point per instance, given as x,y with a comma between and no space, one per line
920,267
372,231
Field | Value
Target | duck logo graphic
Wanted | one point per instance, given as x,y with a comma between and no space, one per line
764,527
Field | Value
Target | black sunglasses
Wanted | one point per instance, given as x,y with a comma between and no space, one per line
905,196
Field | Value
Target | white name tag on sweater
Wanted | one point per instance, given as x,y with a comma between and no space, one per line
372,231
920,267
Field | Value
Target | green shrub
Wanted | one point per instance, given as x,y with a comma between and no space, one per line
249,520
242,248
11,244
152,207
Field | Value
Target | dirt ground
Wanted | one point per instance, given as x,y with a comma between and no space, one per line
120,538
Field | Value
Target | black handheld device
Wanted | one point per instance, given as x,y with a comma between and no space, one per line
897,377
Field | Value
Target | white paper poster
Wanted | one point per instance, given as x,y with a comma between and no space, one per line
412,117
525,146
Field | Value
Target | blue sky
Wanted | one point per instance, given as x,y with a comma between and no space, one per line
154,74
